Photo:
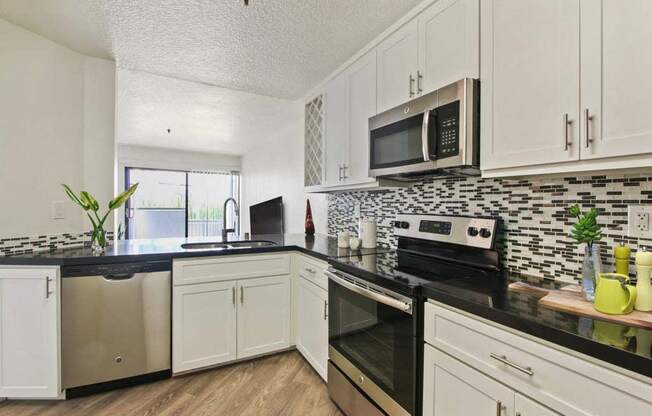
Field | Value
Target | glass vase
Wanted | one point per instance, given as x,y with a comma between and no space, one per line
591,268
99,240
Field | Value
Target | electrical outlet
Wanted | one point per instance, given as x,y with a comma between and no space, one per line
638,221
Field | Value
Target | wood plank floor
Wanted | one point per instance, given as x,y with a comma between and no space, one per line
282,384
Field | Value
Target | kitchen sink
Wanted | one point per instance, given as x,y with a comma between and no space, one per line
232,244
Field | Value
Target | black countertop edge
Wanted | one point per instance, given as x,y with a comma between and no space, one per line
620,358
75,261
321,247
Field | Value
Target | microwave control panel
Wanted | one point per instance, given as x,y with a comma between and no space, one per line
447,130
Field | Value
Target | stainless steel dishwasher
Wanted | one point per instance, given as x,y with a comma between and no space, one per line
115,323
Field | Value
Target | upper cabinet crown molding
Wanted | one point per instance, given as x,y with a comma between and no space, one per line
435,44
560,92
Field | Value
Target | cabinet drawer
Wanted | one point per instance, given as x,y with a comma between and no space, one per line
562,381
216,269
312,270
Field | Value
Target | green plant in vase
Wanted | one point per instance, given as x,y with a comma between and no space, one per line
90,205
586,230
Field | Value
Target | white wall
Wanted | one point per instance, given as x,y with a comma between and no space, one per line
159,158
275,167
51,100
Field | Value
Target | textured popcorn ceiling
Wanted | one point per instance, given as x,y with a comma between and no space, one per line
201,117
280,48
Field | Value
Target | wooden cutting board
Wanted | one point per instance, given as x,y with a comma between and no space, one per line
569,299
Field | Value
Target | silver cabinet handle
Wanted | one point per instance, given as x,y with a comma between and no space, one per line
344,168
47,287
233,294
340,172
587,119
242,295
425,146
411,86
419,78
325,310
311,271
567,124
518,413
499,408
503,359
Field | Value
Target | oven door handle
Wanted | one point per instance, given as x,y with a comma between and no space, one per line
378,297
425,145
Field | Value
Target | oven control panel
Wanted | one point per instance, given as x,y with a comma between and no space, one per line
468,231
447,130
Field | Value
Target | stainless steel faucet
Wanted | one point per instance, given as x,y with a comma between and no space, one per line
226,231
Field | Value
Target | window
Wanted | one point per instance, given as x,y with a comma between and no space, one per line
179,203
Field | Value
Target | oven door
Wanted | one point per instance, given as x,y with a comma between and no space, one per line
372,340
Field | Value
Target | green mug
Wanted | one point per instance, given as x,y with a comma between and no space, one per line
613,294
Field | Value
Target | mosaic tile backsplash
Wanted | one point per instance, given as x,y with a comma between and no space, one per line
32,244
536,224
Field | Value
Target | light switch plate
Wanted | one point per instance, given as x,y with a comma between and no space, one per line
58,210
638,221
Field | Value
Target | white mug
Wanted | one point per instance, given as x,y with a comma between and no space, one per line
355,243
343,238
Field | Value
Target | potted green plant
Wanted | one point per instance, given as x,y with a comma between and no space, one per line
586,230
90,205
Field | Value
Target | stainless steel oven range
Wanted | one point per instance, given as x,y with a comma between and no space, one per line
375,308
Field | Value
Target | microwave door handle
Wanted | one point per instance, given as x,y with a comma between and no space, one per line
386,300
425,146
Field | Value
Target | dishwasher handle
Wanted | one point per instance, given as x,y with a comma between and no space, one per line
121,276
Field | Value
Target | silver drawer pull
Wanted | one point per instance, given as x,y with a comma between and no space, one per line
503,359
311,271
47,287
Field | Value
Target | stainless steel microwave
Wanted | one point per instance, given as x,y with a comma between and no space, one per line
435,134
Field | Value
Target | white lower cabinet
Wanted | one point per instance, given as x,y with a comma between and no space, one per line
451,388
263,315
527,407
29,333
204,325
312,324
218,321
472,367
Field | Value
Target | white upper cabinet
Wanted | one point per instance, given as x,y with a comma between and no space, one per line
529,82
336,131
29,333
616,81
362,105
398,60
449,43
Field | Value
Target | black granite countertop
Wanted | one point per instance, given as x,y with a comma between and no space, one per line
622,345
320,246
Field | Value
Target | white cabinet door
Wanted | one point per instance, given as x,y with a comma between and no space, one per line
451,388
312,325
29,333
529,82
397,67
526,407
203,325
449,43
263,315
362,105
337,130
616,81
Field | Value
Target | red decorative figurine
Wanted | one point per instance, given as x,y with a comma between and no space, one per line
310,226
